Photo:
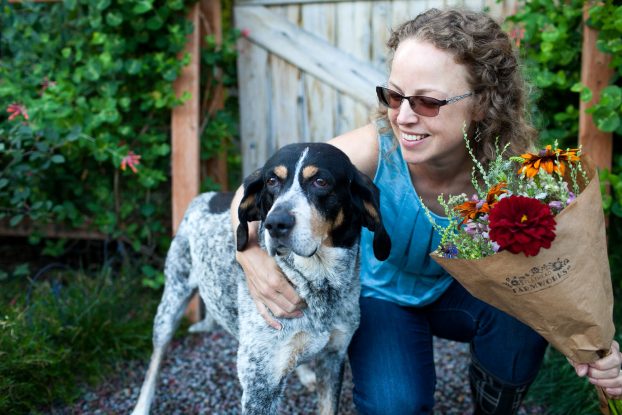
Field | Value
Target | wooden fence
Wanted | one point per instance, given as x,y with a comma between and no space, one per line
307,68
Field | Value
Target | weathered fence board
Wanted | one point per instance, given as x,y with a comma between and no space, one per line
307,51
323,60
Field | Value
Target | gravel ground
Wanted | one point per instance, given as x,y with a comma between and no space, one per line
199,377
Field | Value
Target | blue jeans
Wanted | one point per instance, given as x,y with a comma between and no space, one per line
391,353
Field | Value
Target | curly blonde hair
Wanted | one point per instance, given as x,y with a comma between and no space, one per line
478,42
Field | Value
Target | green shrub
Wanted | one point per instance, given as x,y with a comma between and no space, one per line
65,330
86,93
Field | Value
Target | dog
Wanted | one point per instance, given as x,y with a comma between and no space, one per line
311,203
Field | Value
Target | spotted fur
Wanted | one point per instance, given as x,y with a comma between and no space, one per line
311,203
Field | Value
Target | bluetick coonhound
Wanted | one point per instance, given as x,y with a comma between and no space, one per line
311,203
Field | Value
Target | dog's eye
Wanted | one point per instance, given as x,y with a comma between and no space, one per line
272,181
319,182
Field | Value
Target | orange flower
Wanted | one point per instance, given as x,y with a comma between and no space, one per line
468,210
472,209
494,193
548,159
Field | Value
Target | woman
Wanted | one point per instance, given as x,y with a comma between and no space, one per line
451,71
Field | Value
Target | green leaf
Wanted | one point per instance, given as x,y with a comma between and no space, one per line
155,23
133,66
102,5
57,158
15,220
608,123
74,134
70,4
93,69
22,270
114,19
586,95
611,97
142,6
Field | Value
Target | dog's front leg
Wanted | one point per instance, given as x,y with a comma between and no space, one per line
329,372
262,385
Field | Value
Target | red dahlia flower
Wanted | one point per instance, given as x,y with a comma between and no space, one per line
522,224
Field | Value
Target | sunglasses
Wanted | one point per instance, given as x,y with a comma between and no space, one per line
421,105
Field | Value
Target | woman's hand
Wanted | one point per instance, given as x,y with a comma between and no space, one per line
604,372
274,296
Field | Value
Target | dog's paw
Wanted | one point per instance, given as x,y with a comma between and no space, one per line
207,324
307,377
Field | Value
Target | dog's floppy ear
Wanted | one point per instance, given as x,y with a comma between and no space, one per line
366,198
248,210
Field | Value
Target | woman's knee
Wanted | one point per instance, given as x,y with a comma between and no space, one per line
379,402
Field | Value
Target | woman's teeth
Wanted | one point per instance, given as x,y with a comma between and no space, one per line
413,137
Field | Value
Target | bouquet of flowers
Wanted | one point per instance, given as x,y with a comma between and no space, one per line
532,243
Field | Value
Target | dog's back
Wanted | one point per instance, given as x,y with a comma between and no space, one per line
206,232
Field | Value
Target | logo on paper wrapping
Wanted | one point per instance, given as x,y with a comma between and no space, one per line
540,278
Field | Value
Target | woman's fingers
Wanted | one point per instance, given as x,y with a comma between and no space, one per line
263,311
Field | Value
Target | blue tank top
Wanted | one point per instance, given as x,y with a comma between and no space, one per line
409,276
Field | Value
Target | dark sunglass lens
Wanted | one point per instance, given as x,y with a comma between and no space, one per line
426,106
393,98
380,94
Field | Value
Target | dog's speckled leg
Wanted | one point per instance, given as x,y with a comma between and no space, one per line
177,293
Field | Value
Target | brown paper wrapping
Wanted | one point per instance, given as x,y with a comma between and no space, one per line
564,292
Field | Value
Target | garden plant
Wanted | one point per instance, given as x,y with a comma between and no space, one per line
86,92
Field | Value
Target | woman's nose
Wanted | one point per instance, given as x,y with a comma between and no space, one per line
405,113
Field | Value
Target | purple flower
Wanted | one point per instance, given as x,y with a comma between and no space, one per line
556,206
449,251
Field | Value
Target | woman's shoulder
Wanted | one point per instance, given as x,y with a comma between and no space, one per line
361,145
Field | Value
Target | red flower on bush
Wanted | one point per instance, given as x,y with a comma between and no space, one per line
132,160
16,110
522,224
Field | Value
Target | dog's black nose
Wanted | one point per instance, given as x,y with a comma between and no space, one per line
280,223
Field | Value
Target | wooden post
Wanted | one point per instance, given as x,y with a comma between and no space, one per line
185,135
595,74
215,167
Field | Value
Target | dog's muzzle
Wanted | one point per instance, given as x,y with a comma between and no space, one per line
283,235
279,225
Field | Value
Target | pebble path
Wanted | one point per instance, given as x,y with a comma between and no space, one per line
199,377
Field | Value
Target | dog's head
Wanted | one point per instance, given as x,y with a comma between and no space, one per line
308,196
